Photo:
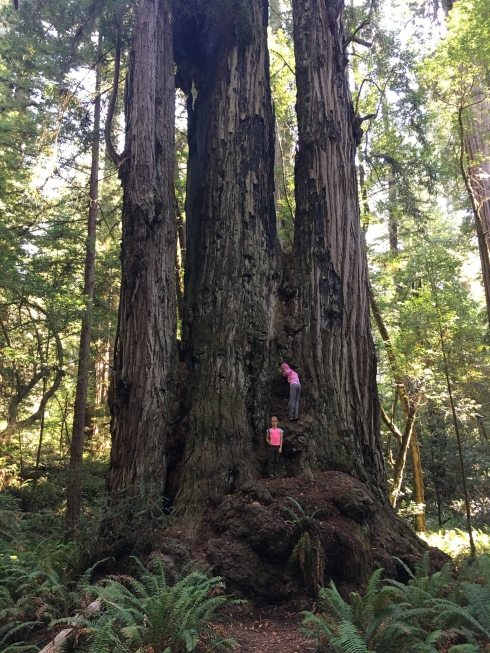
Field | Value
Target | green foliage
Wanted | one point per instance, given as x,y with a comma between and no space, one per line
429,614
283,88
308,551
455,542
146,612
35,588
127,522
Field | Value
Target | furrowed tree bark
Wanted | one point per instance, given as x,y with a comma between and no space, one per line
74,490
332,341
143,384
232,249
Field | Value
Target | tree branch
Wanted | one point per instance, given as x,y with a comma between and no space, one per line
111,150
393,427
354,38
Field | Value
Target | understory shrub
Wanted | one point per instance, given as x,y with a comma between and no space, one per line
145,613
308,551
447,611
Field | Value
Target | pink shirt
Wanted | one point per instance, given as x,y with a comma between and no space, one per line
291,375
275,437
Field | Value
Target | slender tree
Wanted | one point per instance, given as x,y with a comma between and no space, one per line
74,492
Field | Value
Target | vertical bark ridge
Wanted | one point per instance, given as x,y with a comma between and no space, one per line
232,249
145,359
333,347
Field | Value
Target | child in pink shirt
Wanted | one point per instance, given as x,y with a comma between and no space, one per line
274,440
294,390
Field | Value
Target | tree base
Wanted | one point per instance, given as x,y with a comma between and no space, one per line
250,538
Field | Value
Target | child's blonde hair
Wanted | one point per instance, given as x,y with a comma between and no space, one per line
274,417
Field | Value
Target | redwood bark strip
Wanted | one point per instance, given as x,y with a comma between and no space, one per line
143,383
334,346
232,249
74,490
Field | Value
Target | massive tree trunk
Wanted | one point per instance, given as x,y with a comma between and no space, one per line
332,344
143,383
232,249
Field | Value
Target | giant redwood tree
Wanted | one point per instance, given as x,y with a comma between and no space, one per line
247,305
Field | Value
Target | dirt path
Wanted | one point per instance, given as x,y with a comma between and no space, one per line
271,630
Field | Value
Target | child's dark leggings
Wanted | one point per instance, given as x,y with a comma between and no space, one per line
273,463
294,393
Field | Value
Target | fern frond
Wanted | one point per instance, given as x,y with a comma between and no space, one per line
406,567
330,600
479,603
319,624
455,614
20,647
350,640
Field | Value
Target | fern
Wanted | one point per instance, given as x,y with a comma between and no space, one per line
452,614
308,551
146,612
479,604
413,618
349,639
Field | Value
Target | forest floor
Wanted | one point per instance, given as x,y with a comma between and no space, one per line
268,630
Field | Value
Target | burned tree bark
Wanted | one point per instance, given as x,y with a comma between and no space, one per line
332,341
232,248
143,383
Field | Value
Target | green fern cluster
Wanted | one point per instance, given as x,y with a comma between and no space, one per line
308,551
432,613
147,614
35,588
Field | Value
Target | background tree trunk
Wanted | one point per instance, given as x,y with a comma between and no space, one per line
232,252
74,491
478,181
145,358
331,342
